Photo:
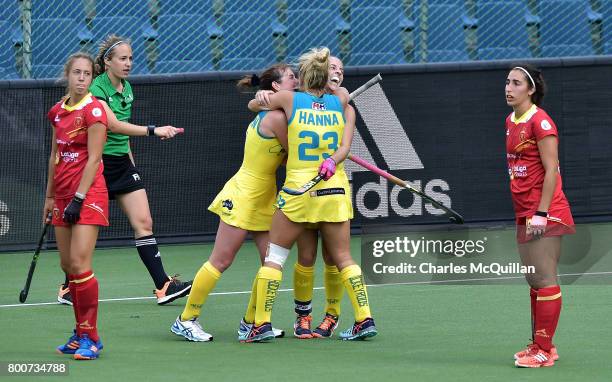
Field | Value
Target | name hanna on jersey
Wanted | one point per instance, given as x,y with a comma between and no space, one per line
309,118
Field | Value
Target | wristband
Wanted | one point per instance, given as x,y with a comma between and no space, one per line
541,213
151,130
80,196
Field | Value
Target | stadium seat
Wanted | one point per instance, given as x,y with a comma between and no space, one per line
131,27
182,66
606,10
312,24
53,40
185,38
376,38
446,44
139,9
7,52
185,7
248,39
564,28
58,9
502,30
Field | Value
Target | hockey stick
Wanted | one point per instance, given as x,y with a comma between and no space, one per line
24,292
454,217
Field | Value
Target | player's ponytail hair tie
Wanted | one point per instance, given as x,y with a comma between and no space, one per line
255,80
528,75
110,48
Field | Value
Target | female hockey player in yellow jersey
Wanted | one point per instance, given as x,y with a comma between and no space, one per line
318,142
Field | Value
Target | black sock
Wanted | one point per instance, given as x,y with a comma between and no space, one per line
150,256
66,281
303,308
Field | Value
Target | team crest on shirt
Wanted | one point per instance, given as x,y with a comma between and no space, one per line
522,135
227,203
545,125
318,106
96,112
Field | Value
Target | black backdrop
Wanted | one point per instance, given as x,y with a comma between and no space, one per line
453,114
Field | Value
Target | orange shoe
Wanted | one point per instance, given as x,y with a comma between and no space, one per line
301,327
540,358
532,349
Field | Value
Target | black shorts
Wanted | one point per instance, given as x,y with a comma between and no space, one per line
120,175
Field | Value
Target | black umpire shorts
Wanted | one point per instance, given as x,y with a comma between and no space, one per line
120,175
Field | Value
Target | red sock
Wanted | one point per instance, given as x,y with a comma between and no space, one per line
533,294
73,295
549,308
87,297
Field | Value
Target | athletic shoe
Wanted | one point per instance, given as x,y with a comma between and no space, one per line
326,327
71,346
301,327
191,330
244,328
532,349
360,330
63,296
88,349
172,289
261,333
540,358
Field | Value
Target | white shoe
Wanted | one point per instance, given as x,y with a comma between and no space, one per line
244,329
191,330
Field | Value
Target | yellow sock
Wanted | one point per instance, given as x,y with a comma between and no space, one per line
356,289
203,284
249,316
268,283
303,280
334,290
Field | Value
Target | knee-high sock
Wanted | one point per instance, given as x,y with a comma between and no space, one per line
333,290
356,289
303,280
548,307
73,294
249,316
86,291
203,283
268,283
150,256
533,295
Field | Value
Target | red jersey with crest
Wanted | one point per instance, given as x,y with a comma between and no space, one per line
524,164
71,124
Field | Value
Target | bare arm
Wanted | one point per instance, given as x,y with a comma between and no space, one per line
126,128
550,160
275,124
96,138
347,136
282,100
50,192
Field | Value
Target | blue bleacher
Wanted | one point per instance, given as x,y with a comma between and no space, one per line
139,9
188,44
502,30
606,10
376,38
446,44
7,52
324,25
58,9
184,7
248,40
53,35
126,26
564,28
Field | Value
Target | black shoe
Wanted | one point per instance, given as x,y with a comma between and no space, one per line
64,296
172,289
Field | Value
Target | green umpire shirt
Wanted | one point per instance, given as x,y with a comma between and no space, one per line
120,104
